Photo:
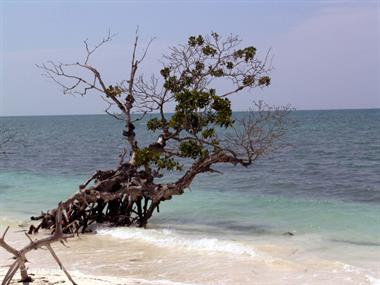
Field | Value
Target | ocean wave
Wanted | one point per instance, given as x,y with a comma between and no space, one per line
169,238
356,270
10,221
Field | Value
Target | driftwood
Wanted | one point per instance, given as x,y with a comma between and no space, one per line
20,255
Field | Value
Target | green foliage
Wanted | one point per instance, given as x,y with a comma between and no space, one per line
208,133
168,163
165,72
248,80
196,109
217,72
247,53
146,157
154,124
209,50
113,91
194,41
199,109
173,84
199,65
192,100
215,36
264,81
187,80
230,65
192,149
222,106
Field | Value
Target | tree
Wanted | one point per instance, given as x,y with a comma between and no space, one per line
200,134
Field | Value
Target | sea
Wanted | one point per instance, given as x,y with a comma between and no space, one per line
307,213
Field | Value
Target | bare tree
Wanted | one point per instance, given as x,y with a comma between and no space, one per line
202,130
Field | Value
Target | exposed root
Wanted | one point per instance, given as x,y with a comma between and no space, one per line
121,197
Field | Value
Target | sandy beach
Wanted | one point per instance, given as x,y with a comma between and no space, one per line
164,258
51,277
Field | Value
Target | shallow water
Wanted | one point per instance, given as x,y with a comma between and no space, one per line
228,229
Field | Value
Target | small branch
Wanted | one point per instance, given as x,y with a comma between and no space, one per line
5,232
146,50
60,263
110,104
10,273
90,51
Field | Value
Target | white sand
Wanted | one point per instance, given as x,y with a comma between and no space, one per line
55,277
50,277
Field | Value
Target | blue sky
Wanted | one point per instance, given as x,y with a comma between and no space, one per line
326,53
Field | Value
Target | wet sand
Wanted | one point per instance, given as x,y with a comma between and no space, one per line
150,257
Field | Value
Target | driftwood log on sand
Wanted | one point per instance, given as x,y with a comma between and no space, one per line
20,255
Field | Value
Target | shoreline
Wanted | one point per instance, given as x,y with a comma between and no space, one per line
132,256
47,276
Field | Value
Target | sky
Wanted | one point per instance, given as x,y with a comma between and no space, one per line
326,54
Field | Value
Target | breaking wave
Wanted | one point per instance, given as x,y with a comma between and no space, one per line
169,238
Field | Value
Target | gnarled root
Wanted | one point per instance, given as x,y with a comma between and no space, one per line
121,197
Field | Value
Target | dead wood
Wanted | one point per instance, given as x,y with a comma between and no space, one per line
20,255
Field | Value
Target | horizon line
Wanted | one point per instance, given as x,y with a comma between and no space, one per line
97,114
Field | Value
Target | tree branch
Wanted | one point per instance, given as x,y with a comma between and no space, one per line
19,255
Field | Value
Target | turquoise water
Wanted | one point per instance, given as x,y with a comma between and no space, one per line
222,212
325,183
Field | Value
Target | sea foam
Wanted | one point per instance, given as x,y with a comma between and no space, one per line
169,238
352,269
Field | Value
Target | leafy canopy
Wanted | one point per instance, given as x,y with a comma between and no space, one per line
187,79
